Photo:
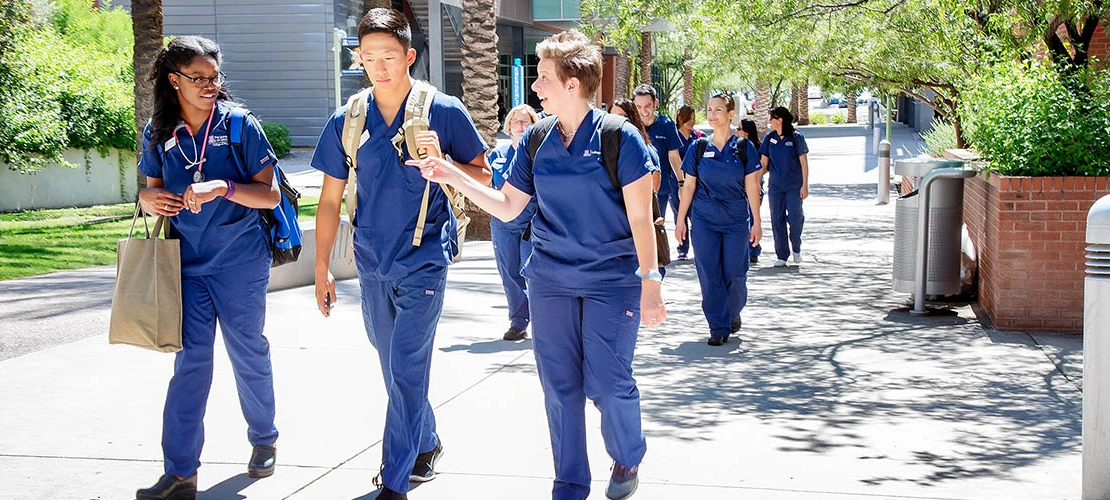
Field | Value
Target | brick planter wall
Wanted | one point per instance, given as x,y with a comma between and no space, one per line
1029,234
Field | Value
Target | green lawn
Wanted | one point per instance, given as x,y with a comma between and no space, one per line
37,242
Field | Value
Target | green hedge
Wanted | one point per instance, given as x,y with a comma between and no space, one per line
1029,119
278,135
65,82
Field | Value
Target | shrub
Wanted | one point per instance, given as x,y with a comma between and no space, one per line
818,119
278,135
839,118
941,137
65,82
1029,119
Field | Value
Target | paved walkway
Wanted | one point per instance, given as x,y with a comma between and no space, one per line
835,392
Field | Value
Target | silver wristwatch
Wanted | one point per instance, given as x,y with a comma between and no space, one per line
652,275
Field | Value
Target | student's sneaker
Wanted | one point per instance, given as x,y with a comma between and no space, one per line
682,256
514,333
753,259
170,487
623,482
424,469
737,323
388,494
797,257
716,340
780,263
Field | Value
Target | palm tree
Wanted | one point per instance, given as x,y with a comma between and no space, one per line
620,79
375,4
762,106
146,25
687,81
479,62
803,104
794,99
645,57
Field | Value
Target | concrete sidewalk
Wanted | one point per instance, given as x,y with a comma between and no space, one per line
835,393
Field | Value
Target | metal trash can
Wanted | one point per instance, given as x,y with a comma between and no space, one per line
945,219
1096,354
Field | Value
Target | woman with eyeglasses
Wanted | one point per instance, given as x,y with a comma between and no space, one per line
784,155
721,190
211,189
511,243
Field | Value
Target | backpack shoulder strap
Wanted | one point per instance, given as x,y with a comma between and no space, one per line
353,125
742,150
418,107
611,146
699,151
237,118
539,131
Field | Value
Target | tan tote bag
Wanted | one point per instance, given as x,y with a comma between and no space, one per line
146,304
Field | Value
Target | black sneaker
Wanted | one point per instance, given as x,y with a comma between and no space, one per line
753,259
716,340
424,469
736,324
169,487
388,494
514,333
623,482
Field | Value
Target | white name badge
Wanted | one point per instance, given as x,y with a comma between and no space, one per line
363,138
709,154
773,141
170,144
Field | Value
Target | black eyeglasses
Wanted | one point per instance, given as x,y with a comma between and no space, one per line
202,82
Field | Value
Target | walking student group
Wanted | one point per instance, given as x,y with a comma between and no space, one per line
573,229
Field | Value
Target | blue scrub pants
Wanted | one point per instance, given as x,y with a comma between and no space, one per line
584,340
757,250
786,217
238,298
668,195
509,250
722,265
400,317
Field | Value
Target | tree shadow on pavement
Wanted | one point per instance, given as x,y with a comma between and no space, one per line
830,360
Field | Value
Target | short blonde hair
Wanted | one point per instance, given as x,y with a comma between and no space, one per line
523,108
574,57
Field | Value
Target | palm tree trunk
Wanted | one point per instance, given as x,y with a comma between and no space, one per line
794,99
146,26
851,97
645,57
621,78
479,62
687,82
375,4
803,104
762,106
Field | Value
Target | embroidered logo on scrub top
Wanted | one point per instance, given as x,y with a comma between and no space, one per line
218,140
590,153
429,292
629,313
788,143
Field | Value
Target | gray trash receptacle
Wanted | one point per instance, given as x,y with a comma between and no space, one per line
945,219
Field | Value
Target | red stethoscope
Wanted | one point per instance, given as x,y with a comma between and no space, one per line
198,176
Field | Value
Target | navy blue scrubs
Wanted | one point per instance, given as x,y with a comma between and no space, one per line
584,295
784,190
665,137
509,249
722,227
402,285
225,270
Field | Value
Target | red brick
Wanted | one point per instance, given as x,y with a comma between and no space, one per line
1031,205
1045,236
1048,215
1029,226
1062,206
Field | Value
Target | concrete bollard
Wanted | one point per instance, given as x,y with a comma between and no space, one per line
884,170
1096,354
875,138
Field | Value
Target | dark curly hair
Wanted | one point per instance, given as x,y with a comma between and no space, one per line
178,54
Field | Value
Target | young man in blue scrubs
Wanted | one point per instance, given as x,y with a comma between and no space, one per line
784,155
402,284
593,271
722,186
211,189
664,137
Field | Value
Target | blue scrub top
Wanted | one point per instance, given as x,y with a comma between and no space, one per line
720,202
784,166
500,159
224,235
580,234
389,192
664,137
685,143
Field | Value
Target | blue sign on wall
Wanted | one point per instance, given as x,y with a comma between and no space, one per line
518,83
353,61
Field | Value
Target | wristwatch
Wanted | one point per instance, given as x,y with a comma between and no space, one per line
652,275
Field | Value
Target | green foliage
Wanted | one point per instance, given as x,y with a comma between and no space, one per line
818,119
65,82
839,118
1029,119
278,135
941,137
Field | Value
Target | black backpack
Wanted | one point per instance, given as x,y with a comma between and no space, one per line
610,153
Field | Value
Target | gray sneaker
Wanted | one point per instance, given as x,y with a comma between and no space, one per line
514,333
623,482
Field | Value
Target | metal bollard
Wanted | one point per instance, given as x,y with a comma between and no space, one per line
875,138
884,171
1096,354
921,275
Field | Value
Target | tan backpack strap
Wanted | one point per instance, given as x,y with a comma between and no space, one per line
418,235
353,126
